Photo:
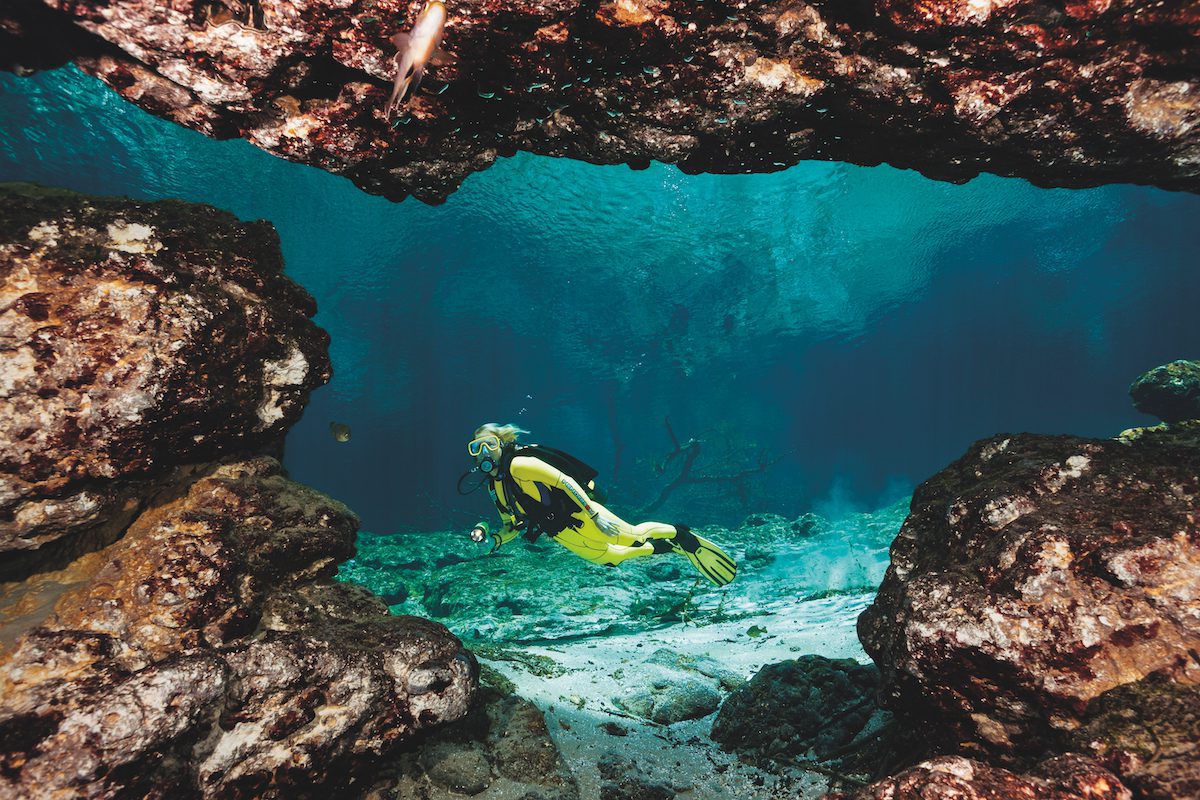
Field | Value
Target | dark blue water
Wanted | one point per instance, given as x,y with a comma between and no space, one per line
852,329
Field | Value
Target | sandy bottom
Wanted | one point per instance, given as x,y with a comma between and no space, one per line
682,756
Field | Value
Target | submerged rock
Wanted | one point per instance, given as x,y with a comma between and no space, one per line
1063,778
622,779
138,338
1149,734
671,687
501,749
812,707
206,654
1170,392
703,666
1035,575
666,700
1065,95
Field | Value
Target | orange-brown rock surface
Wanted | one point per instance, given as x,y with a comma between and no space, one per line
135,338
1064,94
207,654
1039,585
150,353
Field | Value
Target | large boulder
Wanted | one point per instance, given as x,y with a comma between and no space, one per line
1036,574
206,654
812,707
1065,94
136,339
501,749
1170,392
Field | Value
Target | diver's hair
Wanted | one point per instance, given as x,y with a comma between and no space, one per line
507,434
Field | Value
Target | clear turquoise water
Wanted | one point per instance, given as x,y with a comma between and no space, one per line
859,326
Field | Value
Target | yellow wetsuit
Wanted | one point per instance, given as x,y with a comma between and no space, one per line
536,480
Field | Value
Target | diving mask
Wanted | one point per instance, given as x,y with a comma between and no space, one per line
488,441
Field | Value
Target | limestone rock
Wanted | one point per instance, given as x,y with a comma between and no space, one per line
812,707
1034,575
1070,94
703,666
1067,777
501,749
135,338
205,654
672,687
667,701
622,779
1170,392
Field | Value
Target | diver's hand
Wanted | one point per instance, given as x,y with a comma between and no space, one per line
607,525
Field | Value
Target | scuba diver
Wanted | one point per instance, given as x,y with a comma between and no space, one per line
538,490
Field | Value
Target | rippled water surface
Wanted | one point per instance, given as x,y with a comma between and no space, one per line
852,329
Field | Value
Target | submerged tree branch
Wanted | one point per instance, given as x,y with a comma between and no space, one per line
690,451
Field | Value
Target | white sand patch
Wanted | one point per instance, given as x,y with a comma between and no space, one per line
683,756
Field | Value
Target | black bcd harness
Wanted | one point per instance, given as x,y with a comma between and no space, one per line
559,513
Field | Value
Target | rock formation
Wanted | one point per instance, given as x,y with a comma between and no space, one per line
1064,94
204,655
1035,577
672,687
150,349
1149,733
135,339
501,749
1170,392
623,778
810,707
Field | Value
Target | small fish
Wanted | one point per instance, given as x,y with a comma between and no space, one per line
756,631
340,431
414,51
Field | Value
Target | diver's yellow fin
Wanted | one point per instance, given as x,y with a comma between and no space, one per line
709,560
